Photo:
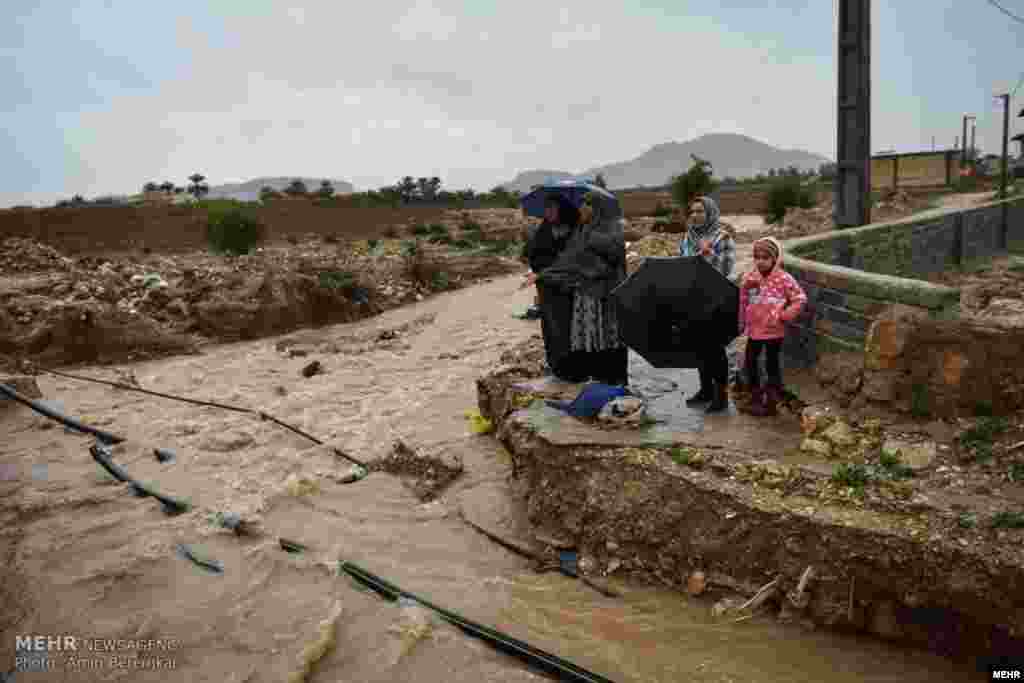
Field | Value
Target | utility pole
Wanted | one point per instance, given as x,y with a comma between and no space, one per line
974,150
933,143
853,158
1005,97
963,143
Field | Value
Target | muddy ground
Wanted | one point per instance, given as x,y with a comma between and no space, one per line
912,530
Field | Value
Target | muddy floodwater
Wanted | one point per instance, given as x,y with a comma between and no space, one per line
88,558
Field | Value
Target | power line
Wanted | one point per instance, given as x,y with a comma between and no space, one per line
1005,11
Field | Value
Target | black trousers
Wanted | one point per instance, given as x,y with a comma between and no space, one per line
714,367
772,349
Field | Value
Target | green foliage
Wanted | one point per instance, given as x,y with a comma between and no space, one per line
967,520
372,244
420,230
681,455
439,234
919,402
1016,472
337,280
440,280
852,475
966,183
891,467
786,193
469,225
662,211
233,230
977,440
695,182
1008,520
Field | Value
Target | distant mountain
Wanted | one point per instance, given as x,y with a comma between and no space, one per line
250,190
730,154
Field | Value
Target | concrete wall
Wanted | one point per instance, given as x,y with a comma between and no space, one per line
852,277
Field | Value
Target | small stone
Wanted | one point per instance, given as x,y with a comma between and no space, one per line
840,434
314,368
696,583
816,447
612,546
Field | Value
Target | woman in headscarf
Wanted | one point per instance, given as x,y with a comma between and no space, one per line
706,237
543,247
592,265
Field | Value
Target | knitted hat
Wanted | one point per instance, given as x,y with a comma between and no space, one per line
771,245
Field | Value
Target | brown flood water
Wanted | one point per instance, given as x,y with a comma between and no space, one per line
99,563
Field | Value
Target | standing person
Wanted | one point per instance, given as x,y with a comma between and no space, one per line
592,265
769,298
543,247
705,236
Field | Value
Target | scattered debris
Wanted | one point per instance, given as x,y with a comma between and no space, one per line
314,368
200,559
319,648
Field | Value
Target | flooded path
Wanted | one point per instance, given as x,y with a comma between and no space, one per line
99,563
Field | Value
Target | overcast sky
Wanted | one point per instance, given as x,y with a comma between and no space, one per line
101,96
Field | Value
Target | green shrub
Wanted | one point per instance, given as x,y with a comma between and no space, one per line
337,280
977,440
919,404
469,225
463,243
437,229
233,231
372,244
440,280
420,230
787,193
852,475
660,210
1008,520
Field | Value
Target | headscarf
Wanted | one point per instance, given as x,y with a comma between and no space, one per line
594,261
708,231
772,245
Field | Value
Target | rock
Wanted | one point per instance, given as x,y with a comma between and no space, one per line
916,456
840,434
696,584
223,442
297,353
1010,311
816,447
314,368
816,418
880,385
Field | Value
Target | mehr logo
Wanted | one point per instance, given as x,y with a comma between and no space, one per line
32,653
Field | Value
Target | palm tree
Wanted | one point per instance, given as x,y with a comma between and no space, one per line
198,188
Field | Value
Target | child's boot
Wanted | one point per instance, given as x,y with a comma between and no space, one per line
772,398
757,396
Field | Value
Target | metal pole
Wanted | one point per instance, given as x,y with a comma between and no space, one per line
853,158
974,151
1006,144
963,145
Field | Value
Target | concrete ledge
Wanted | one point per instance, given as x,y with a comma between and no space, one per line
874,286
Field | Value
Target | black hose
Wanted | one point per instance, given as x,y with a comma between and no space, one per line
545,661
212,404
102,455
42,409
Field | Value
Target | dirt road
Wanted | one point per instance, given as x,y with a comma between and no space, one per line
89,559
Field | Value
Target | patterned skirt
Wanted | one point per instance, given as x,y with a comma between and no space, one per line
595,327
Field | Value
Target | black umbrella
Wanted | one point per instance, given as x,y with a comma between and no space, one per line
671,309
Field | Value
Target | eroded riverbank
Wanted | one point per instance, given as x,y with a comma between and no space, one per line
94,560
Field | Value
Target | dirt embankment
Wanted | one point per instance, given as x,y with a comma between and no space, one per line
900,531
56,308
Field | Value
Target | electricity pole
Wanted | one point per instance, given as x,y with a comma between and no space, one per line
1005,97
974,150
853,158
963,144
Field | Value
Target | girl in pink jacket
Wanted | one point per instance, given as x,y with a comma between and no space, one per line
769,298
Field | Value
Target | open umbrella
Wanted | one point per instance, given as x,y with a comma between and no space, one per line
671,309
573,190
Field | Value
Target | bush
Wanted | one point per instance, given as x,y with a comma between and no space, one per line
787,193
419,230
469,225
234,231
372,244
662,211
338,280
697,181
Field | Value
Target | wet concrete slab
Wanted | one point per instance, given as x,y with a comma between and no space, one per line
664,391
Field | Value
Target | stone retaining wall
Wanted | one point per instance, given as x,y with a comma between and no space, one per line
852,277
